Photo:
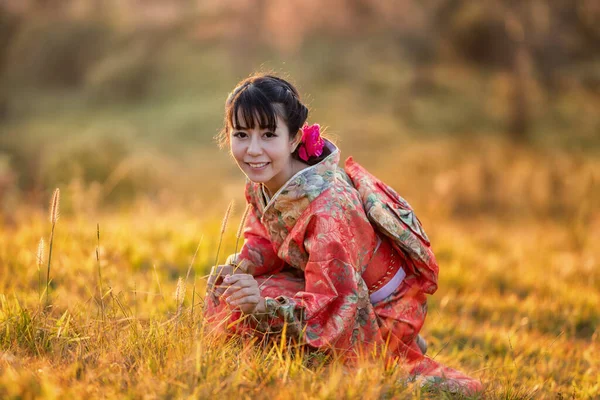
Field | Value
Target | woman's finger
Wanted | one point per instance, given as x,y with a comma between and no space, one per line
238,287
246,304
217,273
215,280
238,280
230,289
248,291
252,299
221,271
222,287
233,278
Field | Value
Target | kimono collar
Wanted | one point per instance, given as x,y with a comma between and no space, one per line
306,184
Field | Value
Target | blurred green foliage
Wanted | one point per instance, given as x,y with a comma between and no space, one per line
86,87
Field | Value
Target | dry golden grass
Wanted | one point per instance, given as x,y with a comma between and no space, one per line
518,304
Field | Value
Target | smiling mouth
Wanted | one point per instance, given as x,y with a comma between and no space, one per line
258,165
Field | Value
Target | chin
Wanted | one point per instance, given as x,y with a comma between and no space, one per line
256,178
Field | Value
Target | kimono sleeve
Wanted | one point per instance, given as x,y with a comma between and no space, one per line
257,256
394,217
334,310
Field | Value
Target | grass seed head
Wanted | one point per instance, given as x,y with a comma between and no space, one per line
226,217
242,222
180,292
40,252
54,206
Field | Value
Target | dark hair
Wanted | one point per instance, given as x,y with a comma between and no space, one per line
259,99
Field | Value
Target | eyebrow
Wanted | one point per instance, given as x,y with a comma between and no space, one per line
239,127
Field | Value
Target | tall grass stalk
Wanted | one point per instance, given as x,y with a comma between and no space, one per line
216,264
101,292
187,275
54,214
179,299
158,282
223,229
238,235
40,260
193,298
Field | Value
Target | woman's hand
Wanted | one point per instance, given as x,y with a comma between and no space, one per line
214,286
243,293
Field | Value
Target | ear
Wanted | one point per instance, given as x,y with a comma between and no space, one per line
296,141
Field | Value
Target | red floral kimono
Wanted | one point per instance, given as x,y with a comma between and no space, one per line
327,245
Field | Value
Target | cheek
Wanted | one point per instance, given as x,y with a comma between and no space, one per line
237,151
278,153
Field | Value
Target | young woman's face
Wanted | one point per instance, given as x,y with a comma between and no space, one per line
264,156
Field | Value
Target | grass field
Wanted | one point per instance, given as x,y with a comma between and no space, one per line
518,307
515,229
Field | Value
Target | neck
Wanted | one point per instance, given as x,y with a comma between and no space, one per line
295,167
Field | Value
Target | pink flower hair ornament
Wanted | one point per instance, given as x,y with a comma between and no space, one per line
312,143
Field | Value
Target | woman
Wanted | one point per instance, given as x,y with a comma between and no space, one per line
334,254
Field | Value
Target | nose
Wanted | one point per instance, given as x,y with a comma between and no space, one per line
254,149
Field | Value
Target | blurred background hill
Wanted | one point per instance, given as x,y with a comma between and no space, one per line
466,107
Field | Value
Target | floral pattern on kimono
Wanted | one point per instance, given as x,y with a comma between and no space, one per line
315,223
385,209
308,247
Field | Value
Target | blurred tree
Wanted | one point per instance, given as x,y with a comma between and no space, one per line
55,51
9,24
546,47
519,123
